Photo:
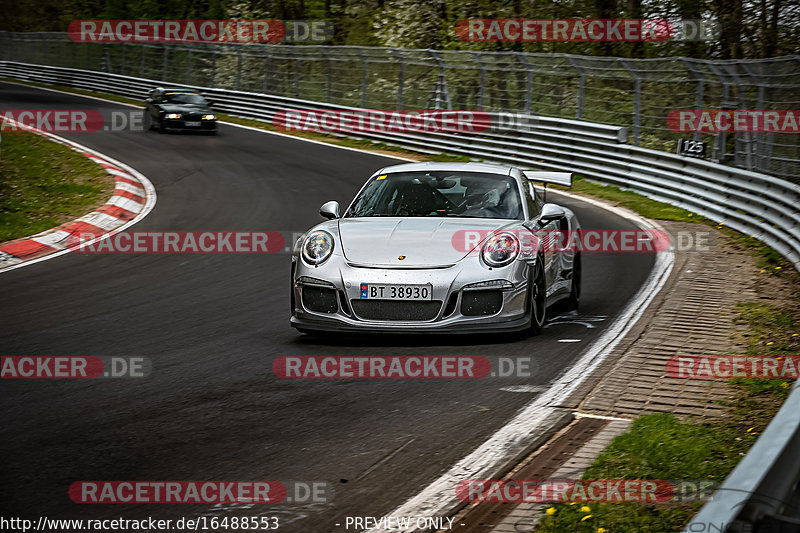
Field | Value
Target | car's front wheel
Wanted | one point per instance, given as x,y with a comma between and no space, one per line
538,297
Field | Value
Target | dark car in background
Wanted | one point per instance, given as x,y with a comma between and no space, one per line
180,110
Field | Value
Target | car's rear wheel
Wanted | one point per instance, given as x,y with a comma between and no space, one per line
571,303
538,298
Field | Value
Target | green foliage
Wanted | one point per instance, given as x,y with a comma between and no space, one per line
748,30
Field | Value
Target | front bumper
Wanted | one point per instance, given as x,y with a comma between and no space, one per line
179,124
453,309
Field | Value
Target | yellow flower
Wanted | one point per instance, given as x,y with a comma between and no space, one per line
601,530
785,385
587,517
585,509
762,271
777,268
751,429
550,511
573,503
770,343
690,214
795,334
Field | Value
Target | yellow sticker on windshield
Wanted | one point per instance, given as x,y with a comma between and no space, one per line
381,177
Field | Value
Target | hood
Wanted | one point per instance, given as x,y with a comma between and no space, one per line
424,241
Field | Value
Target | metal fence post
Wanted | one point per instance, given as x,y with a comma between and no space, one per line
238,68
122,59
213,69
441,94
637,102
701,82
166,61
329,75
364,72
189,67
482,88
267,62
297,67
528,82
401,75
760,148
141,65
581,85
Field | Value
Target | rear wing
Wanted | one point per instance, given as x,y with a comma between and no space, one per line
559,178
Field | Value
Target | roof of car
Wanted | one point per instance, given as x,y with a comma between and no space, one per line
489,168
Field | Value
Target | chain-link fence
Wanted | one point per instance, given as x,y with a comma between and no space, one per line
637,93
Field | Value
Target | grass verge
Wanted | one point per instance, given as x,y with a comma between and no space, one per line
44,184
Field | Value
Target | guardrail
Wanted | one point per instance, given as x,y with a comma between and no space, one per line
756,204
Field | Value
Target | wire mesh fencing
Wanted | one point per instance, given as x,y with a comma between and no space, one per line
636,93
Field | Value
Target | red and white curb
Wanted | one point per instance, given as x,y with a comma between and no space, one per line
134,197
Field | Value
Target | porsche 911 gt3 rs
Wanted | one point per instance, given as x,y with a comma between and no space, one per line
436,247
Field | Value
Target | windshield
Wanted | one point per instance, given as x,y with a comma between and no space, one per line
184,98
439,194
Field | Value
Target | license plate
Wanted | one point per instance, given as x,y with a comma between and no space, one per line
380,291
192,123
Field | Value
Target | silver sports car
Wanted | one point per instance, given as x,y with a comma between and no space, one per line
437,247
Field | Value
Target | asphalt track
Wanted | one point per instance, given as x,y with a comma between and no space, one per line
212,325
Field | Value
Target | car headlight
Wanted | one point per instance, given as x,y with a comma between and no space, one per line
173,115
209,117
317,247
500,249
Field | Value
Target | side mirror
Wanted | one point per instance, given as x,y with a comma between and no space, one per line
550,213
330,210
